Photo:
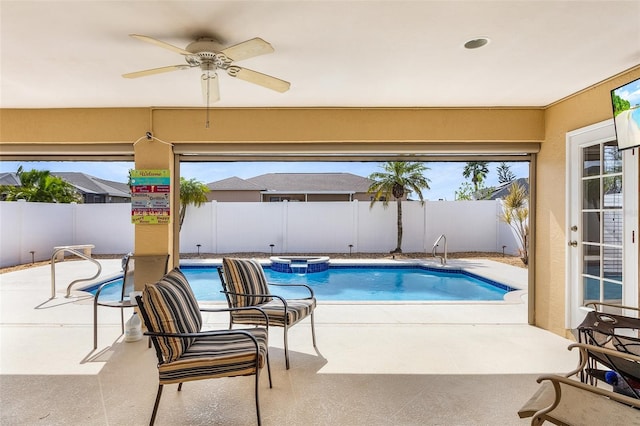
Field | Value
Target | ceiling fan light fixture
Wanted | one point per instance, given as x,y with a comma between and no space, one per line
476,43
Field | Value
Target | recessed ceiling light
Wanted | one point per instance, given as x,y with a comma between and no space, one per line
476,43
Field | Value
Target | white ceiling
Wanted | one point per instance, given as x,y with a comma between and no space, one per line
335,53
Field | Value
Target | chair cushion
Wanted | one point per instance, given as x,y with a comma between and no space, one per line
217,356
172,308
245,276
297,309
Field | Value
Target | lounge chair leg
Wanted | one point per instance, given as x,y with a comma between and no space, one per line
155,407
313,331
256,392
269,369
122,320
95,325
179,386
286,346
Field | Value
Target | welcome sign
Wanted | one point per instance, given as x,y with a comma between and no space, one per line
150,197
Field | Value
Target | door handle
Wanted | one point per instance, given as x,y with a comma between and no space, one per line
573,243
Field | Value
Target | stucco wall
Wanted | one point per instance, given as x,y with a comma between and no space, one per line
589,107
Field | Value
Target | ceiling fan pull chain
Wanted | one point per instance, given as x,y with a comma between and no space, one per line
206,124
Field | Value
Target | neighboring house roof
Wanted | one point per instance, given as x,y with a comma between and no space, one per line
9,178
233,184
92,185
312,182
503,190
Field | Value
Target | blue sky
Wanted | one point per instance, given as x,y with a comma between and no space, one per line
446,177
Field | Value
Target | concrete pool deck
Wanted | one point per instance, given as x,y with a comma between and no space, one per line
378,364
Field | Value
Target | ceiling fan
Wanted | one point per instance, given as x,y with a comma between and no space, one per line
208,55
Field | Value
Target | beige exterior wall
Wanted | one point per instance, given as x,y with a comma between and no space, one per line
331,130
589,107
255,196
234,196
309,197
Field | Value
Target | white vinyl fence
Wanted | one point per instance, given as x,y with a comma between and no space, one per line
291,227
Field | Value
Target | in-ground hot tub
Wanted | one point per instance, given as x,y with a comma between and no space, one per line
299,264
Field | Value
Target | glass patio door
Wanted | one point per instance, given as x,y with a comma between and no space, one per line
602,208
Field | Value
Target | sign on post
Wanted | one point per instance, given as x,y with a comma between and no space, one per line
150,197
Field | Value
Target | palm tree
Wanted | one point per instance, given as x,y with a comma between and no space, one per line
478,171
516,214
191,192
40,186
398,179
505,175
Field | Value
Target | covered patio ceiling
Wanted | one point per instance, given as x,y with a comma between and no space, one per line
72,54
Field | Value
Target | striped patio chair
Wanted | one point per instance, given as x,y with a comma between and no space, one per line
185,353
245,284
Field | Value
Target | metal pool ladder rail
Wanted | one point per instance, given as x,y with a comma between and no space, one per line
74,250
443,258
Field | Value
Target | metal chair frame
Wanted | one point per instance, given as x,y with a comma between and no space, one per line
128,285
154,339
228,295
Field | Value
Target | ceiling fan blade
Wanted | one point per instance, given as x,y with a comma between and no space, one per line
247,49
258,78
210,89
162,44
152,71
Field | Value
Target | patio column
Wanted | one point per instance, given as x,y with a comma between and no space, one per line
151,153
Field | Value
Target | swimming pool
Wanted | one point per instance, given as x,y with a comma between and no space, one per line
359,283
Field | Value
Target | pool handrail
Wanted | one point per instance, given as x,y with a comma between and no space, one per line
443,258
72,250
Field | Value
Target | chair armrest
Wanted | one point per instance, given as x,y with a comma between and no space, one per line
199,333
585,349
244,308
282,299
595,305
311,294
99,290
556,380
204,334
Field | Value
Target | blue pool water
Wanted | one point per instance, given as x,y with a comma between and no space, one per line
358,284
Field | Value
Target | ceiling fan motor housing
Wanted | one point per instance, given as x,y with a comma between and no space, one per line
205,54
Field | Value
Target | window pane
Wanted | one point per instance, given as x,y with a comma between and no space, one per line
591,289
612,158
591,193
591,227
612,263
612,293
612,232
612,192
591,165
591,260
